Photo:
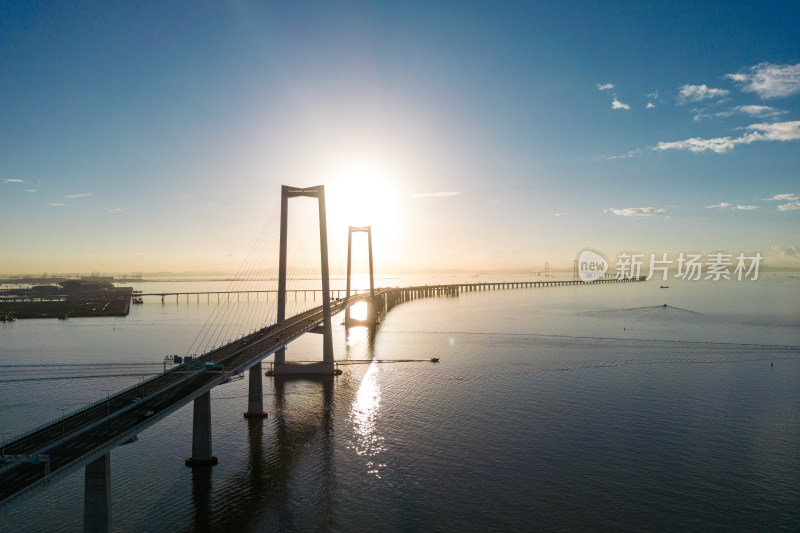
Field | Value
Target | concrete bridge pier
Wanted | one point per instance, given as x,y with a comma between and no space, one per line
255,394
201,433
97,495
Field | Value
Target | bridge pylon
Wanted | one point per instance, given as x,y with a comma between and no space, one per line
372,312
326,366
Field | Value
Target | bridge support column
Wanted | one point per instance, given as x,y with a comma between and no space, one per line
201,433
255,395
97,495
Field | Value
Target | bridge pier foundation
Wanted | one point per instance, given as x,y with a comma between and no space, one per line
323,368
97,495
201,433
255,395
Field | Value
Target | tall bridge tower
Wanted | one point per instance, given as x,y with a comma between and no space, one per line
372,315
326,366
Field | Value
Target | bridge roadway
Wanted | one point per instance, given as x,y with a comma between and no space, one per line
88,434
335,293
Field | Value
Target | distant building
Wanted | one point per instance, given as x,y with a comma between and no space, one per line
80,285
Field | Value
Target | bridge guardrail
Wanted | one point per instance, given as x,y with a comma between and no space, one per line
104,419
90,406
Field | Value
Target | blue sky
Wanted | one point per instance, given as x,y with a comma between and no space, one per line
143,136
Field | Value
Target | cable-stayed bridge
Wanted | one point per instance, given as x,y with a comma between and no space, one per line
84,439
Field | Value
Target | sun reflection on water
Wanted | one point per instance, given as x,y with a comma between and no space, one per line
363,416
358,311
355,334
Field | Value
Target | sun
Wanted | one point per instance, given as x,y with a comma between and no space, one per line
360,192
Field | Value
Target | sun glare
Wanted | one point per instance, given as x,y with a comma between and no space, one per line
362,193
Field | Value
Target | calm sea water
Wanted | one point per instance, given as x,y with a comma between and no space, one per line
567,408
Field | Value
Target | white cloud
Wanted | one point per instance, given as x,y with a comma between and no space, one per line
616,104
635,211
11,180
79,195
605,86
443,194
650,105
737,207
58,205
789,251
769,80
695,144
559,214
788,197
777,131
791,206
115,210
30,190
695,93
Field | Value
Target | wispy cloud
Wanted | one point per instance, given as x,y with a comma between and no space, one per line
616,104
30,190
630,154
443,194
788,197
116,210
696,93
791,206
78,195
737,207
12,180
559,214
57,205
605,86
769,80
650,105
636,211
757,111
777,131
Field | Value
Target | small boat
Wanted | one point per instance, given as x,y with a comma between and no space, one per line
434,359
665,286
